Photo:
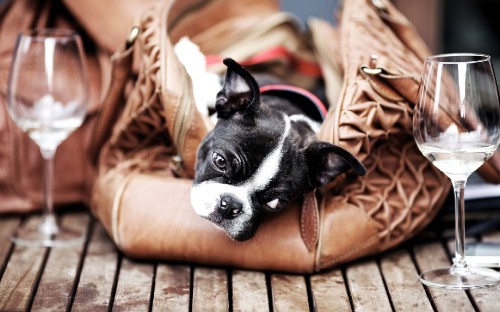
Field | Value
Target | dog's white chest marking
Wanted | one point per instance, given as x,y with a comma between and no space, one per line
205,196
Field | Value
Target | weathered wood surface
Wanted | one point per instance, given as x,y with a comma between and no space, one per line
95,286
95,276
20,278
61,271
172,287
249,291
289,293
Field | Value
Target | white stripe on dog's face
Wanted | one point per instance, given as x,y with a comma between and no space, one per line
205,196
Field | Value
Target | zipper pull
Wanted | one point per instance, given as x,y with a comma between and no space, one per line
177,166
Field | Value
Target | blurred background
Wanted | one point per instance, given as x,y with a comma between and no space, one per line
446,25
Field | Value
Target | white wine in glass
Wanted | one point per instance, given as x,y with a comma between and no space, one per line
47,98
456,125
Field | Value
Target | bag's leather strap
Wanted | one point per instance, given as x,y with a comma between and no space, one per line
309,221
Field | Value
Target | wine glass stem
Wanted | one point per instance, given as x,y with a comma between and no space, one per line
459,259
49,224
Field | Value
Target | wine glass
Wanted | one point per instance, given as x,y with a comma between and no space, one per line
47,97
456,125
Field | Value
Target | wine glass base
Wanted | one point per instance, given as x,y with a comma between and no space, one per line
468,278
33,236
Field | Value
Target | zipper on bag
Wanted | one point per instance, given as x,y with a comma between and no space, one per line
181,123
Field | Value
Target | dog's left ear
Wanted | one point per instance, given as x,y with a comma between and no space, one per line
240,93
326,161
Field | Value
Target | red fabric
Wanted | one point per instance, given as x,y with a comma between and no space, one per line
296,90
300,65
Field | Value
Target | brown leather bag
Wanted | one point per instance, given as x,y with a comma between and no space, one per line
20,160
371,64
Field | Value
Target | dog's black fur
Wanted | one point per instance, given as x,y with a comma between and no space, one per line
261,155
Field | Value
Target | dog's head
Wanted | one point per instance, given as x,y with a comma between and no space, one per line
257,160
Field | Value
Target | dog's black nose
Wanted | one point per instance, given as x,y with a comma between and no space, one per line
229,207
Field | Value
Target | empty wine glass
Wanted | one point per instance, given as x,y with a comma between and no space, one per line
47,97
456,125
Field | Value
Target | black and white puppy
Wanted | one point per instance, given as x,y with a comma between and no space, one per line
261,155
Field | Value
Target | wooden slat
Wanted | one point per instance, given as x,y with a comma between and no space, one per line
485,299
56,286
133,290
366,287
249,291
8,226
329,291
433,256
289,293
20,275
172,287
98,272
210,290
401,278
488,299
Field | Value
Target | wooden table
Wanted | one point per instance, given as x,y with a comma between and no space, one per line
95,276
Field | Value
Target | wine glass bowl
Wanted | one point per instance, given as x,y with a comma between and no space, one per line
456,125
47,98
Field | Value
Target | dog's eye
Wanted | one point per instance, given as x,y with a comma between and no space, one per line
273,204
219,161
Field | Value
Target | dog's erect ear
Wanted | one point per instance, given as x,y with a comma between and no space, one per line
240,93
326,161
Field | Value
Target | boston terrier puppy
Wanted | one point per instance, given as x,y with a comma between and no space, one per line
261,155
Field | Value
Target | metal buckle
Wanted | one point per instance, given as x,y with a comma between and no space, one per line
372,69
379,4
134,33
